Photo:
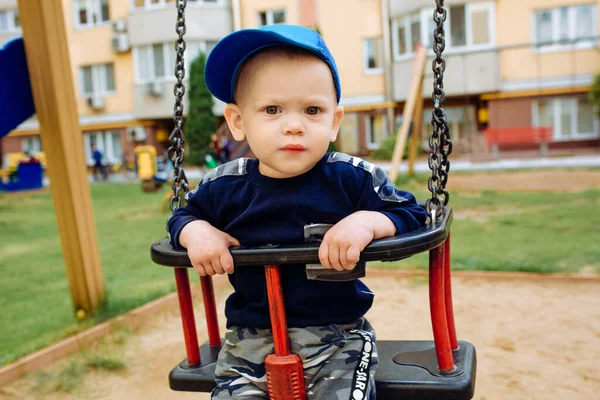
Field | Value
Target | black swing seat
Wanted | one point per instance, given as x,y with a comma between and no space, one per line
406,370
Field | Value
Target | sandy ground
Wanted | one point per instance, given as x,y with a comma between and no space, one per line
535,339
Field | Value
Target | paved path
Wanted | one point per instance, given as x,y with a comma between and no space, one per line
463,165
456,165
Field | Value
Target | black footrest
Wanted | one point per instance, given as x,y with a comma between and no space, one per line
199,378
417,376
413,375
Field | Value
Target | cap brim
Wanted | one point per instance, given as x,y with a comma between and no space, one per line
227,57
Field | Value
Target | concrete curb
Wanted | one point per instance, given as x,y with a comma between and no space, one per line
134,318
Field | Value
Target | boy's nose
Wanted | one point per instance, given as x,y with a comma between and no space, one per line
293,126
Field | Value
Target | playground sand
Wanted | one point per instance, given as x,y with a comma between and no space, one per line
535,339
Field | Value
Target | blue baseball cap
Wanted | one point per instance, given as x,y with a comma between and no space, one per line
230,53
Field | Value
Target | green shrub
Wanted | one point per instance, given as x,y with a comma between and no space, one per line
594,94
386,149
200,122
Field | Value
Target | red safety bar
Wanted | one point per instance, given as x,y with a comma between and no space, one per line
285,376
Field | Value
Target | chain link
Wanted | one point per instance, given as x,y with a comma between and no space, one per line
439,140
177,138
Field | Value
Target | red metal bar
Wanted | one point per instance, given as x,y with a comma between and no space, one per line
285,374
277,311
448,295
438,309
210,309
184,294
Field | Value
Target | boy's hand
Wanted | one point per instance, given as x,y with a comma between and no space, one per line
208,248
343,243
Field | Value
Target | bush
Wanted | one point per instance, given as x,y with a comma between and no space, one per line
200,122
594,94
386,149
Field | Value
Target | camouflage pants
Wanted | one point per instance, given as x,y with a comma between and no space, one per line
339,362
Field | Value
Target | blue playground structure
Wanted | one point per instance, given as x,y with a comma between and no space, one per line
16,105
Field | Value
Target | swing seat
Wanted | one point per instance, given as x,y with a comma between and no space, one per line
406,370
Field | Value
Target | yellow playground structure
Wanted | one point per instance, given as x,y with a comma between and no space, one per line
151,171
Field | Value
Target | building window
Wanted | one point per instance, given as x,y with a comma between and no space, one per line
153,61
108,142
89,13
97,80
561,26
9,21
467,26
407,33
171,3
571,118
271,17
458,28
31,145
376,129
372,56
157,61
194,49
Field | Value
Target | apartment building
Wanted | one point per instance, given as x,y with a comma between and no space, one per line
548,53
512,65
122,59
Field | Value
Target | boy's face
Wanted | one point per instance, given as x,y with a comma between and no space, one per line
287,110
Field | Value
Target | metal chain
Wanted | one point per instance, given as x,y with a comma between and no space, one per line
439,140
177,138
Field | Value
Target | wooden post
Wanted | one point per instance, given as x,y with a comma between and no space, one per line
49,66
415,140
409,108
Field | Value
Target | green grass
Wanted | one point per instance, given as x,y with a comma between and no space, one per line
35,303
543,232
537,232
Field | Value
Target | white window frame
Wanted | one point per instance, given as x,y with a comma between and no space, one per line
11,27
555,44
366,69
99,84
370,135
488,6
557,135
27,143
93,7
104,142
406,21
169,63
269,15
148,5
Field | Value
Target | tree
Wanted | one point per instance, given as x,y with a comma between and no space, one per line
200,123
594,94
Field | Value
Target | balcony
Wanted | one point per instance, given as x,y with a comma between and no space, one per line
155,100
158,25
467,73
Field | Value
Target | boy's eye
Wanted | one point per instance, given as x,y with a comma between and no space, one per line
271,110
312,110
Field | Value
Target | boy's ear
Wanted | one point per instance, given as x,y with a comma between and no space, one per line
234,121
338,114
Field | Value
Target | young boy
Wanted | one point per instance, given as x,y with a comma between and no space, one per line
282,90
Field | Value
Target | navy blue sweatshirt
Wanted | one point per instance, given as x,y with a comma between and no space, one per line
257,210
